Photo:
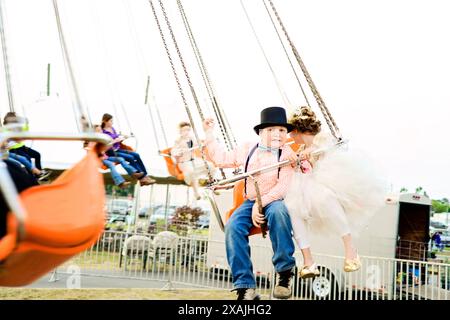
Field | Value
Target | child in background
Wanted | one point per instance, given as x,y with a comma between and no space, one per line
183,152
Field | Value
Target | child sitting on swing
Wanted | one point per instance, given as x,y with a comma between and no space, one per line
117,150
184,154
19,152
270,149
110,162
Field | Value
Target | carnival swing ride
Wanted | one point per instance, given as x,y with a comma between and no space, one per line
39,237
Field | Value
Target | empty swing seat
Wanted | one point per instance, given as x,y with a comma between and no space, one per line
63,219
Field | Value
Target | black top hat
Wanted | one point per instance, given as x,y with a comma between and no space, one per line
273,116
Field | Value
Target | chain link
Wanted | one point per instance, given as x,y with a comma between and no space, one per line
326,113
5,60
177,48
287,55
180,89
207,81
82,119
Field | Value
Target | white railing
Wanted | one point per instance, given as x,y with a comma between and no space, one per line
192,261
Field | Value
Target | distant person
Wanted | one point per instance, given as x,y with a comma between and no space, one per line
22,180
183,152
39,174
118,151
110,162
21,150
436,238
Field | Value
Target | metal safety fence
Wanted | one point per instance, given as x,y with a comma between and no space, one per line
201,263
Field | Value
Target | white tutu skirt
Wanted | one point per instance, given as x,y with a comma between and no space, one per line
339,196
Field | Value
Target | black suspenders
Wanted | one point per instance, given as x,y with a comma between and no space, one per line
190,144
252,151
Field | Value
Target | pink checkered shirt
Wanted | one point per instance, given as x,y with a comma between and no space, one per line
271,187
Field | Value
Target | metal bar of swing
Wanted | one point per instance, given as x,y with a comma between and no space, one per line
251,174
198,147
83,136
271,167
6,183
187,150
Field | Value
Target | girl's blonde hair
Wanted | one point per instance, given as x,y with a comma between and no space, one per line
305,120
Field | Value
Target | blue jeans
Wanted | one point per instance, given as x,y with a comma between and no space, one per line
128,168
133,158
29,154
110,163
238,249
23,160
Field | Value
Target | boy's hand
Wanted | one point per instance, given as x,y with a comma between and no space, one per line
293,158
306,154
208,124
179,152
257,218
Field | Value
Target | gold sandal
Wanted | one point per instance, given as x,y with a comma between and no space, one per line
352,265
309,272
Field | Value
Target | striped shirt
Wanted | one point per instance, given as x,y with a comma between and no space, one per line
270,186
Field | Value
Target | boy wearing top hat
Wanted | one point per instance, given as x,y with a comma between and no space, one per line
273,186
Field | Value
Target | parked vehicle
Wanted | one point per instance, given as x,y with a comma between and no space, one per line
203,221
144,212
436,226
160,214
119,209
403,219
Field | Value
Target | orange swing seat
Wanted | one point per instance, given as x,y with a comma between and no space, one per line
63,219
172,168
238,200
238,195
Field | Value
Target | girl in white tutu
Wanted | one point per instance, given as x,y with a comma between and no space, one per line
332,193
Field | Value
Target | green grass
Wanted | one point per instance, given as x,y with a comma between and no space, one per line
109,261
159,226
115,294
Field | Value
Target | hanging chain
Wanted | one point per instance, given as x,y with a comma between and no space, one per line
157,113
109,78
206,79
180,89
188,78
326,113
83,122
140,57
5,59
287,55
207,82
151,115
277,82
161,124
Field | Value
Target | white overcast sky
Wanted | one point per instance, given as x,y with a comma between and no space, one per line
381,66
